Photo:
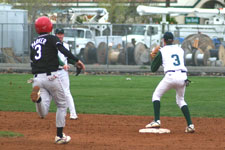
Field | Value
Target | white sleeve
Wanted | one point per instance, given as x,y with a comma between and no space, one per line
66,46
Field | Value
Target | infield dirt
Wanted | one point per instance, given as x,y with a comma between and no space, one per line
110,132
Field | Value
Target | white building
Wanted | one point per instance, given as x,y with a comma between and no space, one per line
13,29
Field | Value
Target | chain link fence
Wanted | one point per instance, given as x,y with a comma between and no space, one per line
119,44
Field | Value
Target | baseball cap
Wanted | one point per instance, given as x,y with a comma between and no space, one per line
168,36
59,31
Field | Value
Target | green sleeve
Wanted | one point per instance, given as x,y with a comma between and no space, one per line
61,63
157,62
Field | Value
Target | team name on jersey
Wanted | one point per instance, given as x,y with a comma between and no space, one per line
39,41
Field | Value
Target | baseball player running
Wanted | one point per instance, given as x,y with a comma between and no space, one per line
65,76
46,82
171,57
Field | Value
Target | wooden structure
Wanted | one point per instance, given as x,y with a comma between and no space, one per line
9,56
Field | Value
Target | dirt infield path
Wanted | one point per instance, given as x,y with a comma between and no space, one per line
110,132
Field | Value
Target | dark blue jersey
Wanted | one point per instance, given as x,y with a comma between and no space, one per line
44,54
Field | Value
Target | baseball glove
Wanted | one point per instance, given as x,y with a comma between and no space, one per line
154,52
79,66
78,70
187,82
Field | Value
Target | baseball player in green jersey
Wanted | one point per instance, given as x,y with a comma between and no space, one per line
63,73
171,57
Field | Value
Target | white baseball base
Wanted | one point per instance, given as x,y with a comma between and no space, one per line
154,130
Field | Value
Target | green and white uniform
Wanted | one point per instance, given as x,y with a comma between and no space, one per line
171,57
64,76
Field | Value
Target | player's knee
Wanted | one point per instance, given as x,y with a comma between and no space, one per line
181,103
155,97
155,100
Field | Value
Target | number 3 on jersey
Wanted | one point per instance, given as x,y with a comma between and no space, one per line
176,60
38,49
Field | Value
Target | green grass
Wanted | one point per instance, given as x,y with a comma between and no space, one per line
10,134
108,94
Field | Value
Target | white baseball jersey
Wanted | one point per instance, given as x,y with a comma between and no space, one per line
172,58
61,56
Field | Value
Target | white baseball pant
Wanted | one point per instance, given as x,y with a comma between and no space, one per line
51,89
172,80
64,77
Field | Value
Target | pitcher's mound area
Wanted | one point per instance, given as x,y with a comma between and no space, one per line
110,132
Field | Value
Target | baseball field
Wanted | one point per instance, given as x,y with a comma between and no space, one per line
111,110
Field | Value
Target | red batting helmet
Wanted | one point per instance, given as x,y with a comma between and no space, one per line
43,25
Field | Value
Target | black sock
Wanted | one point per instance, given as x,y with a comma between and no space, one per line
156,106
60,132
186,113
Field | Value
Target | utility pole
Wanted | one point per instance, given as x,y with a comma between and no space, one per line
168,5
165,17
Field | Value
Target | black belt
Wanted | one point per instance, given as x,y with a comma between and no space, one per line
48,74
183,71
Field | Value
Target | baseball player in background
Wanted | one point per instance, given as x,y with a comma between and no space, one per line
64,75
171,57
47,83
